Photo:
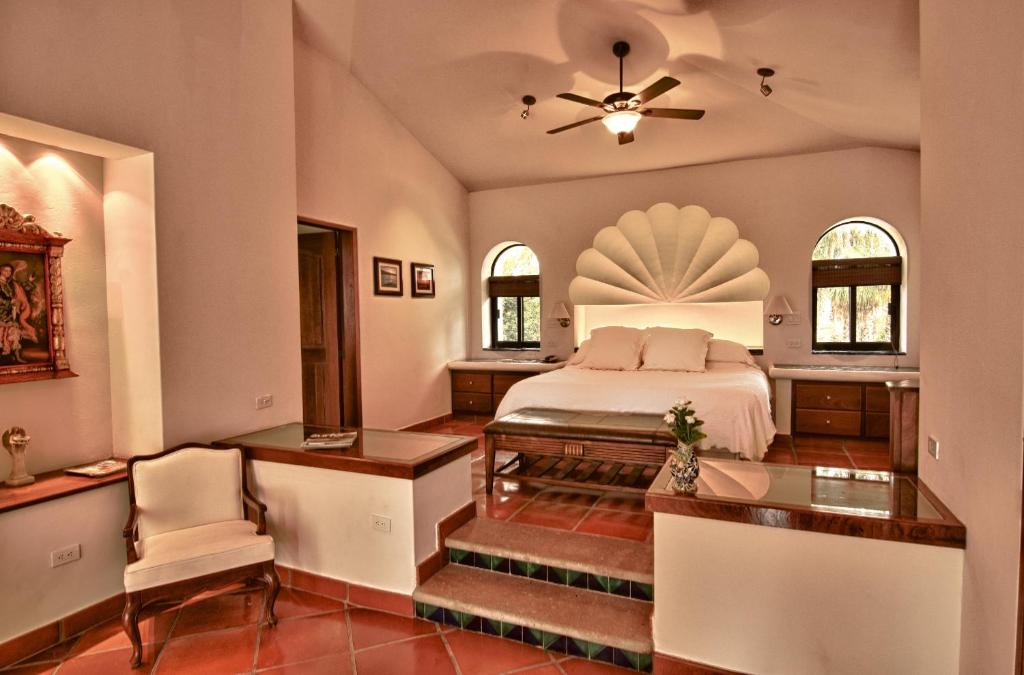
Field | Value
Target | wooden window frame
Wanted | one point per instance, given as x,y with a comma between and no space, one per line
518,287
860,272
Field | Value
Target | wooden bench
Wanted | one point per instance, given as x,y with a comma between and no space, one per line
610,451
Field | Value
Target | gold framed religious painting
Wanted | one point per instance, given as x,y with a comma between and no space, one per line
32,338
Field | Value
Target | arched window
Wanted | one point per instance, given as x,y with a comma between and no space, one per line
856,273
514,291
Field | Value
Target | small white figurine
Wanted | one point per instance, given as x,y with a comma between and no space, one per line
16,441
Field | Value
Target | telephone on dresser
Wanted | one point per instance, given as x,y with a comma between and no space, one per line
550,358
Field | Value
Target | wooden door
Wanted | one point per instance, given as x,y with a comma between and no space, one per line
318,321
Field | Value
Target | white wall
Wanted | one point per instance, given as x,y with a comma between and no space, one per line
358,166
766,600
207,86
781,204
972,320
34,594
69,420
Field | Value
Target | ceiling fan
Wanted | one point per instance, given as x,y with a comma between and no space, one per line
623,109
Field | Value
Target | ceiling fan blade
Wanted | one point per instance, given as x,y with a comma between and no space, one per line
677,113
574,124
625,137
576,98
657,89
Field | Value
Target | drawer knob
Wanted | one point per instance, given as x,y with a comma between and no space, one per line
826,421
828,397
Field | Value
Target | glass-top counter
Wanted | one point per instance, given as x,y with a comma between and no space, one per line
856,502
401,454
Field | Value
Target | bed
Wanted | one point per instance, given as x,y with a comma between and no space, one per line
731,398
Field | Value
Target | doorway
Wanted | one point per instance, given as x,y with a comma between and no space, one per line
329,324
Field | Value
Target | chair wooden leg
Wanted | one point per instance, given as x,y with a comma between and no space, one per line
273,583
130,623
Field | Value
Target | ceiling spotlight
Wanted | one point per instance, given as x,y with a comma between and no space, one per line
765,73
527,101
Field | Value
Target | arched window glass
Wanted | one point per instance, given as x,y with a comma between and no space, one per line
514,290
856,274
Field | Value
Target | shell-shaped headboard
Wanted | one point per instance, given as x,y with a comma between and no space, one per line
668,254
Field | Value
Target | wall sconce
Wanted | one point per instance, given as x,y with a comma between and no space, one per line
777,308
560,312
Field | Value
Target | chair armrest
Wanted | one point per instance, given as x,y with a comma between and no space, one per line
259,507
130,531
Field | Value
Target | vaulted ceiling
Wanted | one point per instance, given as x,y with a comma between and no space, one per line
454,71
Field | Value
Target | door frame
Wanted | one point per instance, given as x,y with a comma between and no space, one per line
350,374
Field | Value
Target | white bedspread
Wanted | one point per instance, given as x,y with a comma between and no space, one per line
731,398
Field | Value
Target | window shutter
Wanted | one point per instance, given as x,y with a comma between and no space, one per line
857,272
514,287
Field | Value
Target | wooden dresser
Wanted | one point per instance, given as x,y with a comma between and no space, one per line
858,409
478,385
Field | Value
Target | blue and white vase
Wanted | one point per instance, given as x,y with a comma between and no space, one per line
684,468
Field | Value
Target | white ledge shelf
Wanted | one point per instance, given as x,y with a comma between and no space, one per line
839,373
513,365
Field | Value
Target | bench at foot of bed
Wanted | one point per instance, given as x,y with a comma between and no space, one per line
610,451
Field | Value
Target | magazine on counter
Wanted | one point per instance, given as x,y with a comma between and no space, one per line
98,469
330,440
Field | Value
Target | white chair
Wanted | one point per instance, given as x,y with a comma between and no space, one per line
188,530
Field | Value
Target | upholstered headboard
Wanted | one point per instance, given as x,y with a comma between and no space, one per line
671,266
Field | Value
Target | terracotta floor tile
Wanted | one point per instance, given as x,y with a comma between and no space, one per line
374,598
780,457
818,458
33,669
541,670
424,656
221,611
550,514
867,445
223,651
335,664
621,502
620,524
511,486
485,655
109,663
303,639
293,603
153,629
370,628
781,444
498,507
582,667
818,442
569,496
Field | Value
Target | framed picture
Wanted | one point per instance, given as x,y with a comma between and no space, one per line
387,276
422,280
32,340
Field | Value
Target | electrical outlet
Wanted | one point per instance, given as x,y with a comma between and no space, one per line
66,555
792,320
933,447
264,401
381,523
794,343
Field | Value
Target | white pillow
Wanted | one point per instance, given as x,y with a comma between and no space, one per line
581,353
726,350
614,348
676,349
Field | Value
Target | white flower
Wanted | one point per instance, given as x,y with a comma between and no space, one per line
669,418
690,419
679,403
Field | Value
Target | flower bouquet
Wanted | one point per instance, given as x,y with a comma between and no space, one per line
682,421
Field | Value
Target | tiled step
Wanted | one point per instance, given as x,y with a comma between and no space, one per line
584,561
561,619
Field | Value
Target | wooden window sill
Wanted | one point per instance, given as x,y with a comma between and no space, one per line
52,485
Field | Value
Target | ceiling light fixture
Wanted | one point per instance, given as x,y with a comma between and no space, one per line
527,101
765,73
621,121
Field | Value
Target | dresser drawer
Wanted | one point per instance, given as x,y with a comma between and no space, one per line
827,396
876,425
876,398
837,422
504,381
475,403
472,382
